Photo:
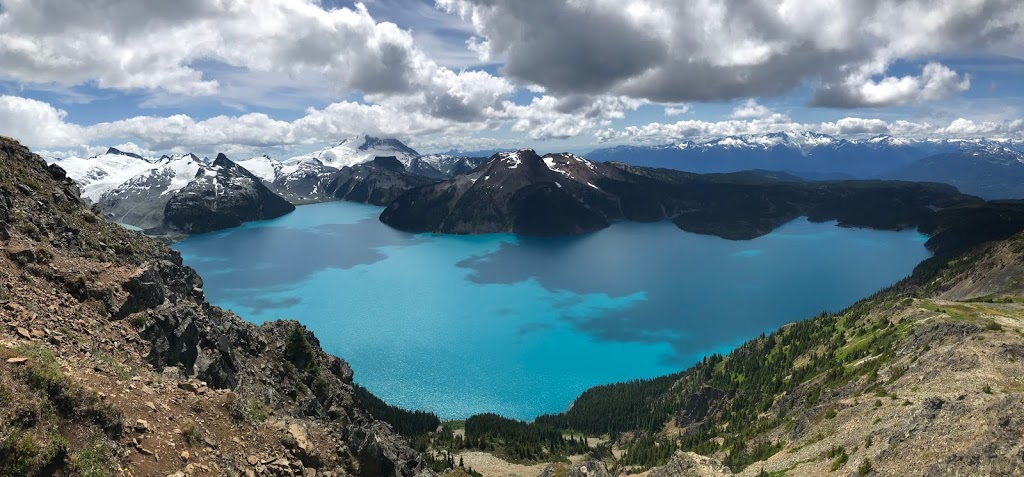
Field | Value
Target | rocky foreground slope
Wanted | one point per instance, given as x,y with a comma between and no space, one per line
113,363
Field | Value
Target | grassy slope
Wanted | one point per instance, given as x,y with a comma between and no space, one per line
909,381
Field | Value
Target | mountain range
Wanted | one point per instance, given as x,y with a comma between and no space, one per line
180,194
157,194
820,156
317,176
184,194
562,194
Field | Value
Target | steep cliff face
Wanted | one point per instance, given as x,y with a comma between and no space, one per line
108,328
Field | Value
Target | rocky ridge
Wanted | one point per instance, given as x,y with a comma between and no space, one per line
109,330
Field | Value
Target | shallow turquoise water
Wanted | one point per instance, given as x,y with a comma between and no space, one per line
520,326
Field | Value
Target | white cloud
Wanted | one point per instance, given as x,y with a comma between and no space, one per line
551,117
654,133
677,109
163,47
936,81
696,129
651,49
40,125
855,126
965,128
750,109
37,123
152,44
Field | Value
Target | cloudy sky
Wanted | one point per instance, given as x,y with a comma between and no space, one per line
288,76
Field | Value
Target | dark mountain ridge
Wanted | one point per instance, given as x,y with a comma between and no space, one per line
561,194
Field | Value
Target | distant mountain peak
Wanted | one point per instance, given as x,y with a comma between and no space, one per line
357,150
370,142
118,152
222,160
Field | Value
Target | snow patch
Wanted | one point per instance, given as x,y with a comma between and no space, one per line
511,159
263,167
183,171
98,175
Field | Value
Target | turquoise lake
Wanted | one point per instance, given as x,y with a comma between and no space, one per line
520,326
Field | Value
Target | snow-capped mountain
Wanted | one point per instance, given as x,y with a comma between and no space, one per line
100,174
810,154
264,167
137,191
820,156
222,194
299,180
141,199
516,191
307,178
360,149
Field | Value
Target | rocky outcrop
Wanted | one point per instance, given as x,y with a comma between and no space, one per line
519,192
587,468
689,464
